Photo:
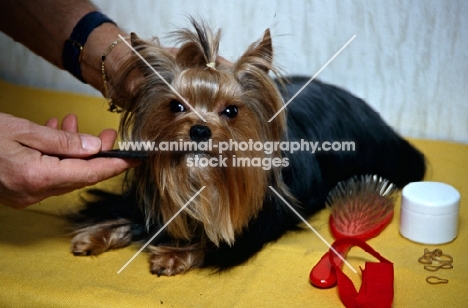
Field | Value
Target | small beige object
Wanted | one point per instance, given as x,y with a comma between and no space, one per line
436,280
442,262
211,65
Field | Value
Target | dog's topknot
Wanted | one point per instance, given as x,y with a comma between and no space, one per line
199,47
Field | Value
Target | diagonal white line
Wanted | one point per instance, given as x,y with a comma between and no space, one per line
159,75
160,230
313,230
313,77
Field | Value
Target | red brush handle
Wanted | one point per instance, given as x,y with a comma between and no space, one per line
322,274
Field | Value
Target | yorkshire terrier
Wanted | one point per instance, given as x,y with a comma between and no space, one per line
237,213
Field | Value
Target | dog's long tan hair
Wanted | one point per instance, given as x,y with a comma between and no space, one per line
233,195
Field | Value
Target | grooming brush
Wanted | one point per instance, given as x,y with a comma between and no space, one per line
361,208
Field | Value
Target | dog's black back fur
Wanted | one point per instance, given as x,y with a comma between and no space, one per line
321,112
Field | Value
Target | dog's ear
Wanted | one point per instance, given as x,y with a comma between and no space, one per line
261,93
136,76
258,55
154,54
135,41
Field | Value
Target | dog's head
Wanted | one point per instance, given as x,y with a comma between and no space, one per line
192,98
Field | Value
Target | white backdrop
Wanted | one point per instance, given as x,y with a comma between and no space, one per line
409,59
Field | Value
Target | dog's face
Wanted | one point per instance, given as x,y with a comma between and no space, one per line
194,98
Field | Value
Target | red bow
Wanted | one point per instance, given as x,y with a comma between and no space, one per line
377,279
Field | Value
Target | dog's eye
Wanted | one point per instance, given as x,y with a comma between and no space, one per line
177,106
230,111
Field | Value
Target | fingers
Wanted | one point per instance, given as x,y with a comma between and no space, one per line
49,140
41,176
108,137
70,175
70,123
73,173
52,123
31,169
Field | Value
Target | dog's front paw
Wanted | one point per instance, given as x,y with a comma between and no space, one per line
167,264
84,244
170,261
96,239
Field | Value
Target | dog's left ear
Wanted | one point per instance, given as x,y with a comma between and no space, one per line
258,55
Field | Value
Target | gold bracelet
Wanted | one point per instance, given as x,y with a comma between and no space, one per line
112,106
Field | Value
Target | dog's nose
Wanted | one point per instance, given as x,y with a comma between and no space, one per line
199,133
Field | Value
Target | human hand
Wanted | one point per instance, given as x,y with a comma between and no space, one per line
37,161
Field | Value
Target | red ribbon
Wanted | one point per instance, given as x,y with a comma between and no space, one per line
377,279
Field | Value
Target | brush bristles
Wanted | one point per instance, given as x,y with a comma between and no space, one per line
360,203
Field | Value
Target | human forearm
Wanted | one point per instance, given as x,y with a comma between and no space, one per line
43,26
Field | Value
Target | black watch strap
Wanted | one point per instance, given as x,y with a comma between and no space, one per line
73,47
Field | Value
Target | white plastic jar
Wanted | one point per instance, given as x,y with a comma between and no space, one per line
429,212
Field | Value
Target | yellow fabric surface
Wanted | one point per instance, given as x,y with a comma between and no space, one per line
37,269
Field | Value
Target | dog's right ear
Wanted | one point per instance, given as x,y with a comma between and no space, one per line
135,41
137,75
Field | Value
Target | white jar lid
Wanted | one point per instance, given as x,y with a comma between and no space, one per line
429,212
432,198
